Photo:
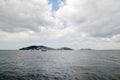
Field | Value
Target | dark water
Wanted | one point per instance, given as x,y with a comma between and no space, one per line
60,65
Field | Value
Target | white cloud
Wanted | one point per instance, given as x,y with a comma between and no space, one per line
77,22
17,36
98,18
19,15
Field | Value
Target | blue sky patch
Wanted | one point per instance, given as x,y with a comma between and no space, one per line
55,4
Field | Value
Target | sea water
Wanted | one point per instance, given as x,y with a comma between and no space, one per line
60,65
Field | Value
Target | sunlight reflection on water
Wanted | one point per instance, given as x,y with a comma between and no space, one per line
60,65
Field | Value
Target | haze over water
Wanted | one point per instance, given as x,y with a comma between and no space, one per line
60,65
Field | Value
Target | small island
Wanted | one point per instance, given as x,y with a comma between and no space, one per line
86,49
34,47
64,48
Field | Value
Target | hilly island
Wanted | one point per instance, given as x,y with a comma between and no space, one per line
34,47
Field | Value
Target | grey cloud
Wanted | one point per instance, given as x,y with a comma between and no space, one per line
17,15
97,18
84,18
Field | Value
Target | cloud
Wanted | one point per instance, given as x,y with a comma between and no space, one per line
96,18
20,15
17,36
75,22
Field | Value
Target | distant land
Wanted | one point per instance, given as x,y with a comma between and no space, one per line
34,47
86,49
64,48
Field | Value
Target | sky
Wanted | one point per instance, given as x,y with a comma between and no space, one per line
60,23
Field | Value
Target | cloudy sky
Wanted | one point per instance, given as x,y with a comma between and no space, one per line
57,23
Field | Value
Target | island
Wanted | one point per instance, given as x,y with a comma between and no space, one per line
64,48
34,47
86,49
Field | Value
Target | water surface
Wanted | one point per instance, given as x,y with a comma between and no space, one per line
60,65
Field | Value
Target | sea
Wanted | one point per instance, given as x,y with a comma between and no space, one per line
60,65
